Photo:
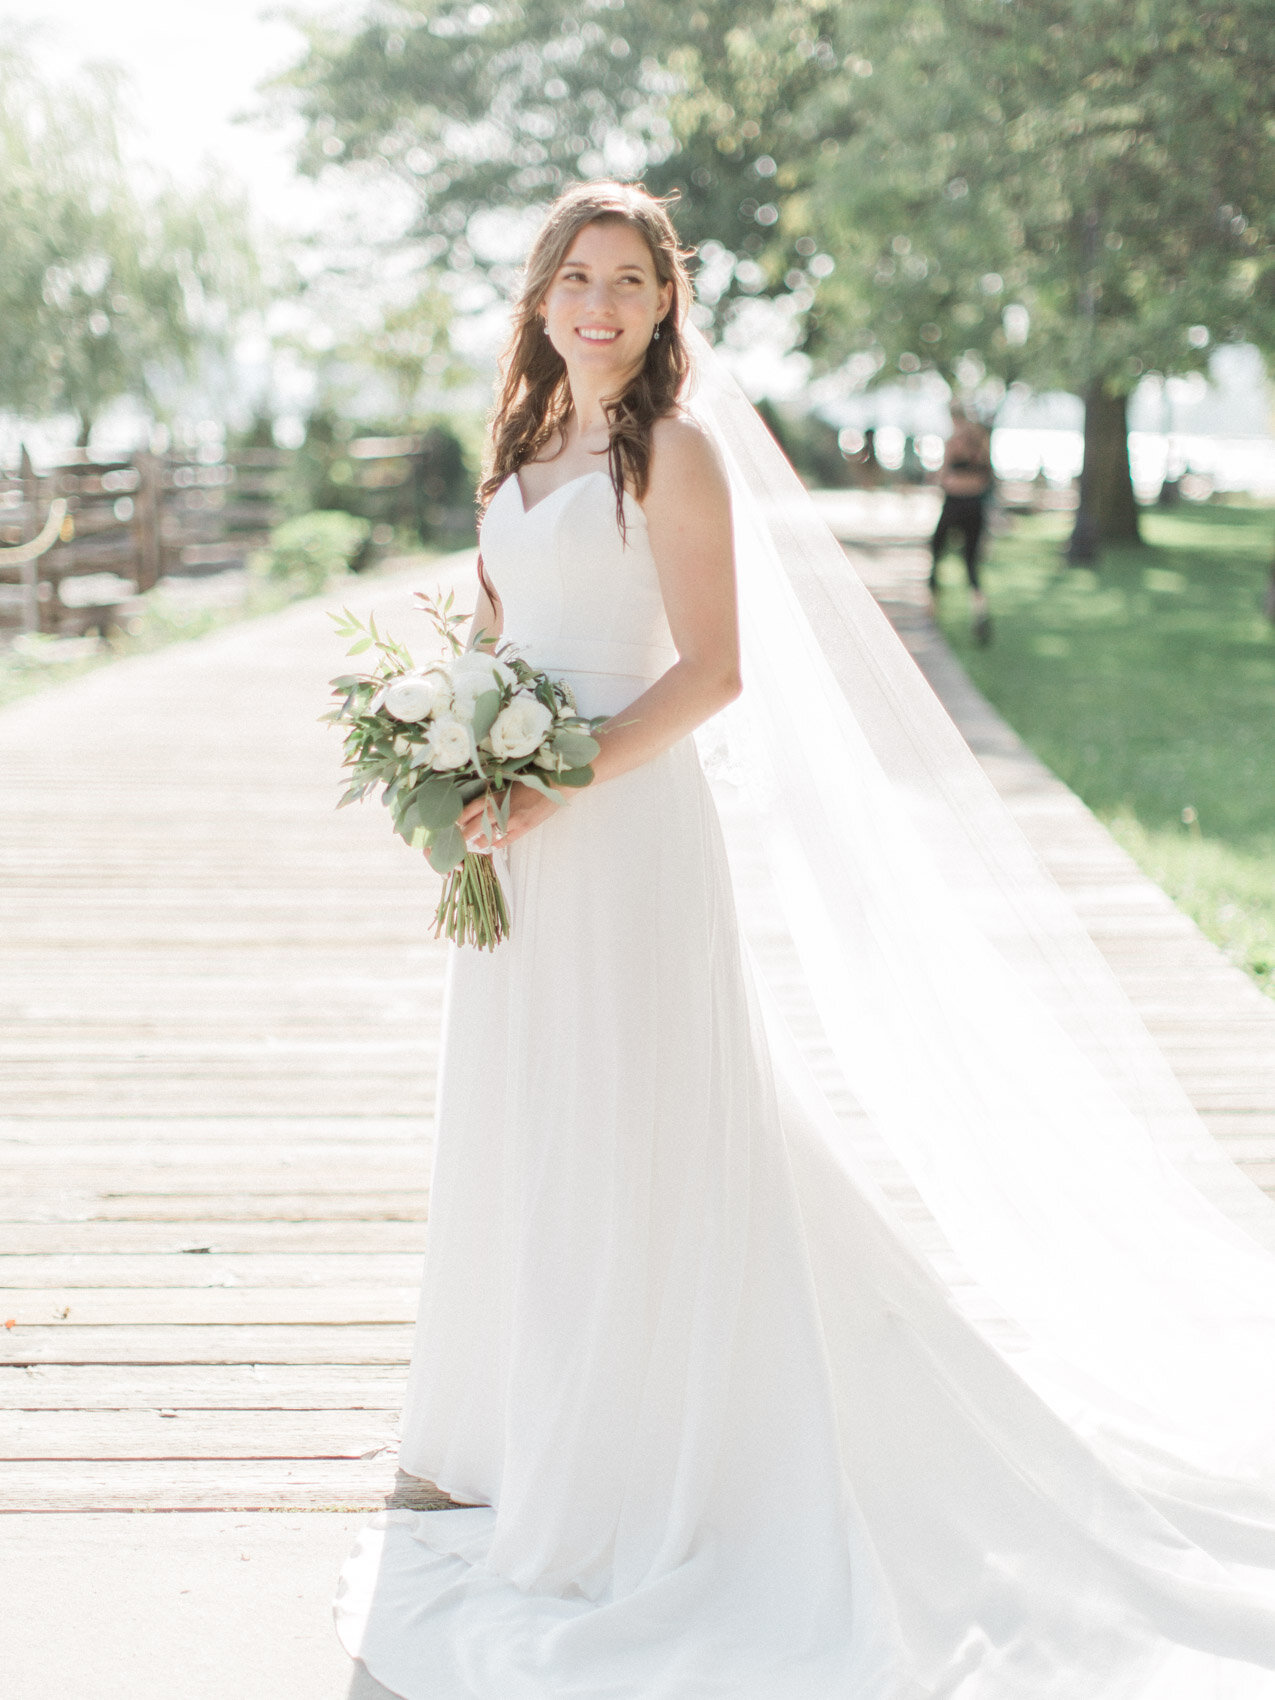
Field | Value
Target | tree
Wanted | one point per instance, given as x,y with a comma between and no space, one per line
484,112
107,288
1048,191
1074,195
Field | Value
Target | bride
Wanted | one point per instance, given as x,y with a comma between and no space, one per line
848,1307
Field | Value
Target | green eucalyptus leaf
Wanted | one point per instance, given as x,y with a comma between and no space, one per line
485,711
577,749
438,803
407,817
446,850
536,783
576,777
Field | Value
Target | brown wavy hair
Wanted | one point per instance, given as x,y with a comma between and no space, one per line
533,402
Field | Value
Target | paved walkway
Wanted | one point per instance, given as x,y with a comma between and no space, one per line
219,1005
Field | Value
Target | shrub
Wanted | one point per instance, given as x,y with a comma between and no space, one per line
306,552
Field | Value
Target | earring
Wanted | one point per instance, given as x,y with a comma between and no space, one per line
655,334
544,326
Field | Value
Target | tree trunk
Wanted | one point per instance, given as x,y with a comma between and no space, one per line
1108,512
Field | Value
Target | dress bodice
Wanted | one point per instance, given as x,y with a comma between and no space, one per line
578,599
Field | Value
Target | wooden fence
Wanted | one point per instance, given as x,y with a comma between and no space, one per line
129,522
134,520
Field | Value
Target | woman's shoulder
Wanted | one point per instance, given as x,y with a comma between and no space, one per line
684,455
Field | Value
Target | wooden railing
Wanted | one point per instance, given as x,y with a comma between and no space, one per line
131,521
124,524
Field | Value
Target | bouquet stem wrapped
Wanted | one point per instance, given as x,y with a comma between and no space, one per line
435,737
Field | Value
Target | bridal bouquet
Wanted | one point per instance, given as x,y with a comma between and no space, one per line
439,735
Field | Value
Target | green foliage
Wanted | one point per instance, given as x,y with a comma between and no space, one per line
107,288
306,552
1151,692
1105,169
428,491
1057,192
485,112
1108,171
810,443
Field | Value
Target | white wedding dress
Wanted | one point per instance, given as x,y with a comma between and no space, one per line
732,1428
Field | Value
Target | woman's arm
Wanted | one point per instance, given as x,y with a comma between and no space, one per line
687,508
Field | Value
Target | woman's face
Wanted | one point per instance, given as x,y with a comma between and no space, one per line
605,301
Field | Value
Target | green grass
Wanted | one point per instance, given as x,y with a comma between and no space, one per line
1149,687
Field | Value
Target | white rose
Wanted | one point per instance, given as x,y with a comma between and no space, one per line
415,696
518,728
473,675
447,743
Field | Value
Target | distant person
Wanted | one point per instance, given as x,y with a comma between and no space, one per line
966,481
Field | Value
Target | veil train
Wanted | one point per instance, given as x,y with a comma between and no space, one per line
981,1074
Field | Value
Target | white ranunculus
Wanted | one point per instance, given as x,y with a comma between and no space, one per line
518,728
447,743
415,696
474,674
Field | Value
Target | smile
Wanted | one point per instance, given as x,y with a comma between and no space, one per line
591,335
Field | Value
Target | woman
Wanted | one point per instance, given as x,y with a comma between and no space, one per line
711,1424
966,481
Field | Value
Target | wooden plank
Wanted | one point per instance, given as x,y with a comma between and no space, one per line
237,1269
174,1434
204,1387
316,1131
202,1236
308,1484
400,1206
172,1176
257,1161
354,1343
199,1307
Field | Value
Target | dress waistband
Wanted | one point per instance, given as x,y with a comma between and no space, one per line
598,655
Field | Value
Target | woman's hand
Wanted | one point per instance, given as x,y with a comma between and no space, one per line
527,809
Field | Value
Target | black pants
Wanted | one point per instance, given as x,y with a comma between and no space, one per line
963,514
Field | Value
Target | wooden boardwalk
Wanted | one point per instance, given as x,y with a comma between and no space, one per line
219,1001
219,1005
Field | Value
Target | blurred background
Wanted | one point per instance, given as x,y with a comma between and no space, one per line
253,278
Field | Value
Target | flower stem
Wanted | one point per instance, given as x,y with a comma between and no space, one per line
472,907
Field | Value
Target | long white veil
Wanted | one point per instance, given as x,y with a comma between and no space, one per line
977,1060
